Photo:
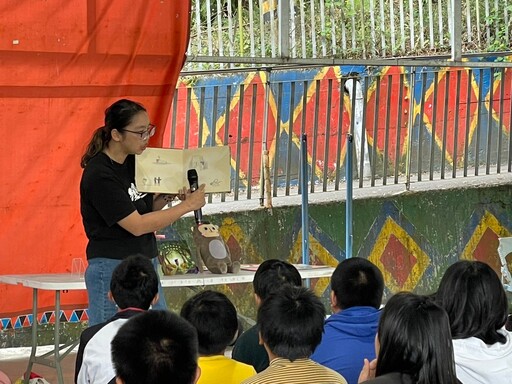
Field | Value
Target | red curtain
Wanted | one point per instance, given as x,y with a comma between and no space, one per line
62,62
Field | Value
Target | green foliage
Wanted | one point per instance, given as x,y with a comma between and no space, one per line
348,29
499,29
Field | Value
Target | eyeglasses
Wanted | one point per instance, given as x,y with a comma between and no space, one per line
146,134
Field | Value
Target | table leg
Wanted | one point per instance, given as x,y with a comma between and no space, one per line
57,338
34,337
52,358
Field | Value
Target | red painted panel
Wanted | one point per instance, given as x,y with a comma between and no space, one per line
389,110
506,80
398,260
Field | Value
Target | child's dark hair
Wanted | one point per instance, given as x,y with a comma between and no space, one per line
475,300
414,338
134,283
215,319
357,282
273,274
291,322
155,347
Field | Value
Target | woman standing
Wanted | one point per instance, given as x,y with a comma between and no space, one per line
120,221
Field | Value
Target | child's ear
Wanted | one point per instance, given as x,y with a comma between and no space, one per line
155,299
111,297
257,299
334,300
119,380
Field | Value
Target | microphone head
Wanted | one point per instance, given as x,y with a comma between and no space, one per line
192,174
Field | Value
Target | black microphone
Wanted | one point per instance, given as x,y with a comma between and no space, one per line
193,180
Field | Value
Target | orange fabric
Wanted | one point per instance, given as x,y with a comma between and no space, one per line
62,63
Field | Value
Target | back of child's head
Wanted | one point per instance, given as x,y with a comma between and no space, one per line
291,322
155,347
357,282
134,283
272,274
414,338
215,319
475,300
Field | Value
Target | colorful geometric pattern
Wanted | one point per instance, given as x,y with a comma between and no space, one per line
502,89
230,109
48,317
482,243
323,250
239,243
440,94
383,109
399,251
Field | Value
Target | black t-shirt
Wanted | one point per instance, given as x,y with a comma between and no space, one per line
107,195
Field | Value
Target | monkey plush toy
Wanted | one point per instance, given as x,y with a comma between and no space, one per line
211,250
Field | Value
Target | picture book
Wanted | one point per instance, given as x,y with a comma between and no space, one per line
164,170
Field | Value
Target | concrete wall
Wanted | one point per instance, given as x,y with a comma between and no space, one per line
411,235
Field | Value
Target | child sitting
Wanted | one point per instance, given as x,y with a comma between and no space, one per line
216,322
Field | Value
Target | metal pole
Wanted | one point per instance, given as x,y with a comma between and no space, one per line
264,150
348,203
304,182
456,30
284,28
409,129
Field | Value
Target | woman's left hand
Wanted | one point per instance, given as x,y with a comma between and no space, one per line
160,200
168,198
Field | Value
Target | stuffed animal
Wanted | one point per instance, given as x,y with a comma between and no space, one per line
211,250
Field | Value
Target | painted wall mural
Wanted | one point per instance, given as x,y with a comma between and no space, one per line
448,104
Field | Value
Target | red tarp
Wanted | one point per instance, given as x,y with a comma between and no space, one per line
62,62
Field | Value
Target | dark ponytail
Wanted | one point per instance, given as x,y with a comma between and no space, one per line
99,140
117,116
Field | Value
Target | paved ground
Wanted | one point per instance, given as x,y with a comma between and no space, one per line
14,361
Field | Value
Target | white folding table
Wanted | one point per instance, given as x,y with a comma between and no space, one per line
68,282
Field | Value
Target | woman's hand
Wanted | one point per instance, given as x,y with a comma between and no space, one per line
368,371
160,200
195,200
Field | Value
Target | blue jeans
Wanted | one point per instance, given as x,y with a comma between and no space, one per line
97,280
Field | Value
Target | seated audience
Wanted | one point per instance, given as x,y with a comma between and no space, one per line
269,277
133,287
413,344
156,347
215,319
349,334
290,325
476,303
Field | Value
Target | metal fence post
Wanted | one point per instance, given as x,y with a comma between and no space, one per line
456,30
284,28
